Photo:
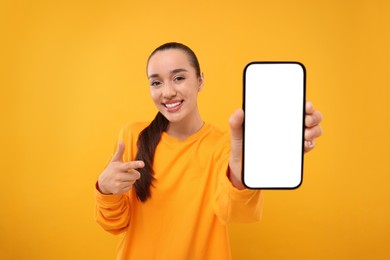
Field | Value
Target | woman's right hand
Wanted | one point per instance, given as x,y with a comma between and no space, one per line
119,176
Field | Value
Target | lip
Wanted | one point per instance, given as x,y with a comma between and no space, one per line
173,105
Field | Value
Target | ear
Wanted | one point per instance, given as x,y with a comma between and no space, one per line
201,82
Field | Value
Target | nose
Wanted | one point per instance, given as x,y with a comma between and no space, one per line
169,91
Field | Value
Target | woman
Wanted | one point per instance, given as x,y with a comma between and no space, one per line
174,184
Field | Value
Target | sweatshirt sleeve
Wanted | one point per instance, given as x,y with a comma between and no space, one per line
231,204
113,211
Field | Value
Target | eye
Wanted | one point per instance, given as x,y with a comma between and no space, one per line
179,78
155,83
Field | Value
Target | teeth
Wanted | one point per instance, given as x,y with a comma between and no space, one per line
172,105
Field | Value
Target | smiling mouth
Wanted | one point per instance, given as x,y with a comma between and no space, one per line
173,105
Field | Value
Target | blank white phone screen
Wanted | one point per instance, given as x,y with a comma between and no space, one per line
274,105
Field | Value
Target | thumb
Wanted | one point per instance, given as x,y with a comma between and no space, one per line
235,123
118,156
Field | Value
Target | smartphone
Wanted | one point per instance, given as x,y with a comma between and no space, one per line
273,128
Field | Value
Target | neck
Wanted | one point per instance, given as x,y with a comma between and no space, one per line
185,128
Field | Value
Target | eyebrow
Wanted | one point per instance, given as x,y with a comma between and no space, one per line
156,75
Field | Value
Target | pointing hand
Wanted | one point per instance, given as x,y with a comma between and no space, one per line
118,177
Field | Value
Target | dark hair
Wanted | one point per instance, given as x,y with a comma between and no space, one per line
150,136
179,46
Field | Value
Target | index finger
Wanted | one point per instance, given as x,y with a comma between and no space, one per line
132,165
309,107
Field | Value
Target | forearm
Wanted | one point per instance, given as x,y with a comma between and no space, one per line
234,205
112,212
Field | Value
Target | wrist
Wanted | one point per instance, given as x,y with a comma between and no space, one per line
102,191
235,179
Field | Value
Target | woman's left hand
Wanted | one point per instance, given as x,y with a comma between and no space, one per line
313,130
235,123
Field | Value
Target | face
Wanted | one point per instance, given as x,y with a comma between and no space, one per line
174,85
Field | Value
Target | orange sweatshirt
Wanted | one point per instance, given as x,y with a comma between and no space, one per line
192,200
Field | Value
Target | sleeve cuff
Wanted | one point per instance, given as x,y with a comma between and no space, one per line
107,198
234,193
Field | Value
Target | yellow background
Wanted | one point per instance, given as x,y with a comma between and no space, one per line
73,73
